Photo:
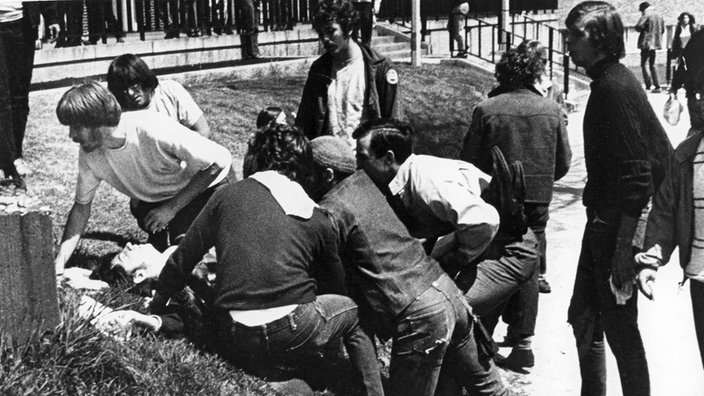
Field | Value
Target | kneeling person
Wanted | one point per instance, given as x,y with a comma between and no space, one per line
168,171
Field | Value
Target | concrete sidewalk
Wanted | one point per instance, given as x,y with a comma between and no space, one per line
666,323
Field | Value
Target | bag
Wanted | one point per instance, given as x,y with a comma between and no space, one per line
672,111
506,193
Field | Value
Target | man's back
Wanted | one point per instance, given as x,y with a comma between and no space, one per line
377,247
651,27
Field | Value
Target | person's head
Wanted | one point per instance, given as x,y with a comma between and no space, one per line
333,161
271,115
594,32
131,81
281,148
140,262
382,146
686,18
522,66
334,21
91,112
643,6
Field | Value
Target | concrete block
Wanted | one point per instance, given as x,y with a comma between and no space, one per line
28,298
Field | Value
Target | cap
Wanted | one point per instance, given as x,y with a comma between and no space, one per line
334,153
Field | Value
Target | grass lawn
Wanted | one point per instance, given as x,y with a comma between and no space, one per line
437,100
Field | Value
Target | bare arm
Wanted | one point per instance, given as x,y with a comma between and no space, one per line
201,127
75,225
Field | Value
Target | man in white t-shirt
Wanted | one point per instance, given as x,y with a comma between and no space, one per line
136,87
168,171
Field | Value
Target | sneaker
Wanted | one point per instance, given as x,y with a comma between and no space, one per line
544,286
518,360
656,90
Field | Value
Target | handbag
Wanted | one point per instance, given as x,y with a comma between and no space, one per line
672,111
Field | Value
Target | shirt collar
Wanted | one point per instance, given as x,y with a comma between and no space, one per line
398,183
289,194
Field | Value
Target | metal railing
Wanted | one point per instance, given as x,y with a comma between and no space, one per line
189,17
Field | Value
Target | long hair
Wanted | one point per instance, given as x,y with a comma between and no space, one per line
127,70
281,148
90,105
521,66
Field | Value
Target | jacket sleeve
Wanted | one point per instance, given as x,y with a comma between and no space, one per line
640,25
563,154
305,117
661,231
328,271
387,89
471,149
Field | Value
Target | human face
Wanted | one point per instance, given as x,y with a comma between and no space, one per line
137,97
685,20
334,39
376,168
581,49
142,262
90,138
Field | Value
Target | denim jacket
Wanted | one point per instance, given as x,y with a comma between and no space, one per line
386,265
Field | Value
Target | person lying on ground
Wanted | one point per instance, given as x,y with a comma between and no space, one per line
275,247
168,171
137,87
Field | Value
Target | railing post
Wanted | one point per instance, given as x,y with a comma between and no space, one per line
551,37
668,72
566,70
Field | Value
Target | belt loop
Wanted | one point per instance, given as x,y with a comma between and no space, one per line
292,322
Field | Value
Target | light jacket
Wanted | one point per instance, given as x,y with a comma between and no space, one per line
379,97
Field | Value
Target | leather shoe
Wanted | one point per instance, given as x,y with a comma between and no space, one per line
518,360
544,286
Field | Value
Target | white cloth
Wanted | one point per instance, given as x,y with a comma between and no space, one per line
10,10
159,158
172,99
440,193
695,267
290,195
346,97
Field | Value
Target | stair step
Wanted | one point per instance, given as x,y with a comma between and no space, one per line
391,47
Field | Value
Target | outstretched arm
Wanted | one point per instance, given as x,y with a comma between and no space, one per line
75,225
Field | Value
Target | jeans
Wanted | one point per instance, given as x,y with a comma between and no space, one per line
100,13
304,332
508,270
648,56
697,294
16,63
366,22
247,23
437,326
455,26
178,226
538,216
593,312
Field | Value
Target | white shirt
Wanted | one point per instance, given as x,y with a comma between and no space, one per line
172,99
346,97
10,10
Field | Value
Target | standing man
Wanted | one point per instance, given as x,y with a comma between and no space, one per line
651,27
441,199
363,32
249,30
18,34
691,64
455,25
168,171
350,83
275,248
407,295
527,127
625,152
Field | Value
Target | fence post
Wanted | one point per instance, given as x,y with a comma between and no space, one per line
668,72
551,37
566,70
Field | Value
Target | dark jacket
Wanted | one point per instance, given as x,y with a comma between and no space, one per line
692,63
379,98
626,150
677,46
526,127
671,220
651,27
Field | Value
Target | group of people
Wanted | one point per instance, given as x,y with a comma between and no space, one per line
339,232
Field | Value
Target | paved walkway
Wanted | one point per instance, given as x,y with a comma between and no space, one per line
666,323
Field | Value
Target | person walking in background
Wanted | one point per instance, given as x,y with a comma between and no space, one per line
100,16
18,33
455,25
527,127
136,87
626,151
363,31
691,64
651,27
686,26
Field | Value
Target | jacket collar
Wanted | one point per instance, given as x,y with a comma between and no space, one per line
686,150
324,64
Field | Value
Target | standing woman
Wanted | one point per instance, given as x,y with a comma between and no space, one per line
686,26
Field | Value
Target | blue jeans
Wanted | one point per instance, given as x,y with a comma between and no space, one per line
508,273
16,63
647,66
593,312
302,333
437,326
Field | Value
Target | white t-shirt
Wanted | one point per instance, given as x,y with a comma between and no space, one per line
158,159
172,99
346,97
10,10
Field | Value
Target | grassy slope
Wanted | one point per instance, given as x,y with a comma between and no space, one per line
437,100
